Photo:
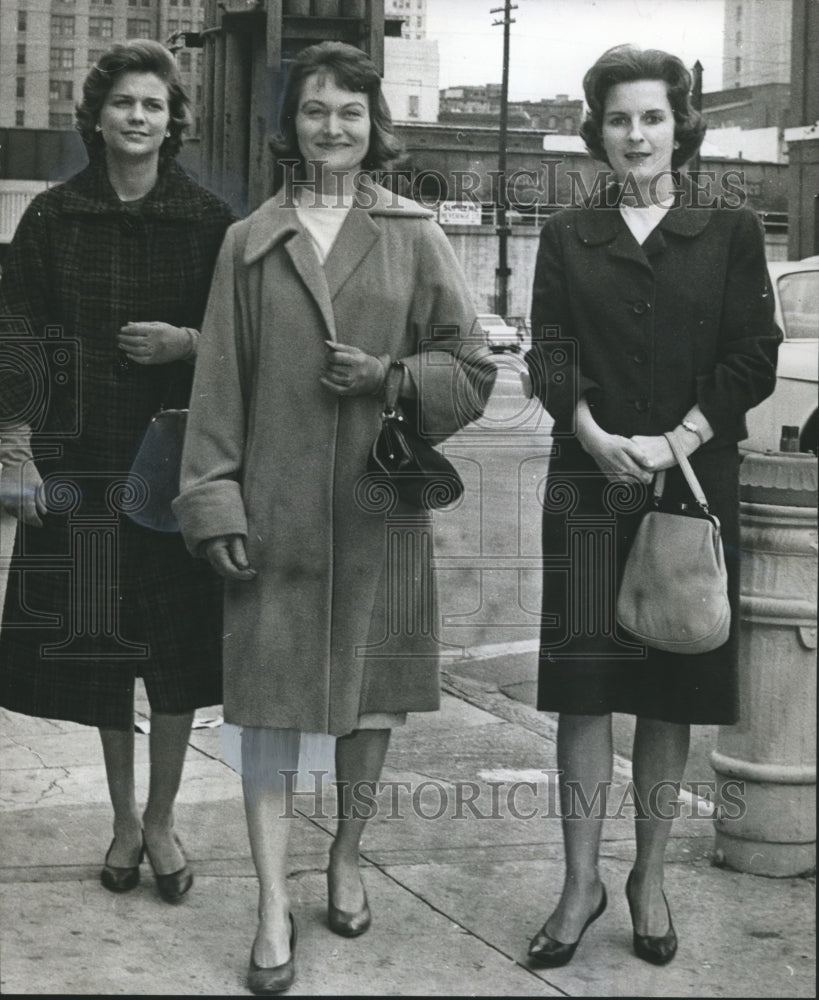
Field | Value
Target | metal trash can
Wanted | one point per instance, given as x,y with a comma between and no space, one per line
766,764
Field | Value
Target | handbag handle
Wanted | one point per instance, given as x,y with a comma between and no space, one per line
687,471
392,386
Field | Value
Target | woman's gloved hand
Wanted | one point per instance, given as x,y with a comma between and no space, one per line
21,486
156,343
349,371
228,556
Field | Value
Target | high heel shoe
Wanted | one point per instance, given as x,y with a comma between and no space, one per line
548,951
344,923
659,950
121,879
172,887
278,978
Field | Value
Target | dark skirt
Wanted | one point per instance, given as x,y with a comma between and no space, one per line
94,602
588,665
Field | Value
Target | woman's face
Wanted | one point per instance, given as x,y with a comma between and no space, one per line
638,130
135,116
332,124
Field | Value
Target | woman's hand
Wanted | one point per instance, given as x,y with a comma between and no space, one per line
227,555
617,456
349,371
155,343
21,493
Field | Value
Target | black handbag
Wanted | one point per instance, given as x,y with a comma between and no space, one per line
403,460
154,475
674,591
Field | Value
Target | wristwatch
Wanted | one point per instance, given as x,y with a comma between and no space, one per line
689,425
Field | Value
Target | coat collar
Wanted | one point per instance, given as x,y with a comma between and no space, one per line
174,196
276,218
601,224
276,222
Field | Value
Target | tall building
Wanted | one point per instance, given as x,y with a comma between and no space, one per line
412,12
47,46
757,42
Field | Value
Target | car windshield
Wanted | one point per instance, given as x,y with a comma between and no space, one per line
799,299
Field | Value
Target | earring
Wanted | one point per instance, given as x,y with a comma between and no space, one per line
98,128
167,135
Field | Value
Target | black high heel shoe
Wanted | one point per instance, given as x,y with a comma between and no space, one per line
659,950
344,923
172,887
548,951
278,978
121,879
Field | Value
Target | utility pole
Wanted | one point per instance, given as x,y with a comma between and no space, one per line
696,101
502,271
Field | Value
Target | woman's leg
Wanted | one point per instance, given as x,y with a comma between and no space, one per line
660,753
169,739
269,818
584,758
118,753
359,759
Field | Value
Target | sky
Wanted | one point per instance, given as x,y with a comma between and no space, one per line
554,42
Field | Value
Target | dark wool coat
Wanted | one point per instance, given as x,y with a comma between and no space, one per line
94,600
341,619
645,332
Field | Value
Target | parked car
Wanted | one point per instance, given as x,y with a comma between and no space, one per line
500,336
794,400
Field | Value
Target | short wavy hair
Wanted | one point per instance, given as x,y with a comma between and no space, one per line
352,70
625,64
137,56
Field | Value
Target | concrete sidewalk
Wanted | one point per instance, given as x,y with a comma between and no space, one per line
463,865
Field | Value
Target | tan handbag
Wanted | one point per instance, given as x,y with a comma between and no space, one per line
674,591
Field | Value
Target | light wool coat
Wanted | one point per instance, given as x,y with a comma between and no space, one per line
339,621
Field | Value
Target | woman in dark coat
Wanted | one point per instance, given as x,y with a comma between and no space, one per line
651,314
102,295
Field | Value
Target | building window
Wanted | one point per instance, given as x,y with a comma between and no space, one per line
185,61
21,20
62,59
738,64
19,119
62,25
100,27
61,90
568,123
414,109
132,3
21,86
139,27
21,54
94,56
60,119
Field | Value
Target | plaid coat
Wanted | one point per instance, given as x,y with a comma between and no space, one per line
93,600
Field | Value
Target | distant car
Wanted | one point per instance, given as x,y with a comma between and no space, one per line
794,400
500,336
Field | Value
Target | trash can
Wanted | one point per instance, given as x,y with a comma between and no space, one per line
766,764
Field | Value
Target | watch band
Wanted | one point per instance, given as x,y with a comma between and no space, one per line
689,425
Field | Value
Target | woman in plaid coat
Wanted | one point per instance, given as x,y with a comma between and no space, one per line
101,299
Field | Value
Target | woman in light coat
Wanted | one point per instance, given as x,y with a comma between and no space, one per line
314,295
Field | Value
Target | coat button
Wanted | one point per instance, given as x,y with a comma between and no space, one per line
640,405
639,307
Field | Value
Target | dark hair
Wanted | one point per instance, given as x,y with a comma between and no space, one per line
352,70
138,56
625,64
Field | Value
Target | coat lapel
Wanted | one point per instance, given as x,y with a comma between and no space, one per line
306,262
354,241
